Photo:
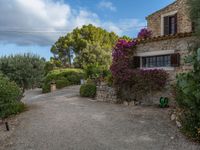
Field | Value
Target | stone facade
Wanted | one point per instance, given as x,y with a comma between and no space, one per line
178,45
183,22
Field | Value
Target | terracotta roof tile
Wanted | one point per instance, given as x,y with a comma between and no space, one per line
164,37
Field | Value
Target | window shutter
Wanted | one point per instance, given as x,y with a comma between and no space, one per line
136,62
175,60
193,26
176,22
166,25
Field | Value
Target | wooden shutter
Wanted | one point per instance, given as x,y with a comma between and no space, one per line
136,62
193,26
175,60
176,22
166,25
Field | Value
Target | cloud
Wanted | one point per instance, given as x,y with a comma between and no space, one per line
42,22
107,5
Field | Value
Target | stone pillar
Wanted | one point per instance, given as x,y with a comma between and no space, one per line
53,87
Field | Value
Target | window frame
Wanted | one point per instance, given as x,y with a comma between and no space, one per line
173,13
156,61
155,53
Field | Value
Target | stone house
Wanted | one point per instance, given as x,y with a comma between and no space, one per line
170,41
167,47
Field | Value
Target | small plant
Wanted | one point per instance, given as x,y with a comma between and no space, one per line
164,102
88,90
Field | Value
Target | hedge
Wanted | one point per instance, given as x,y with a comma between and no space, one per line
88,90
62,78
10,95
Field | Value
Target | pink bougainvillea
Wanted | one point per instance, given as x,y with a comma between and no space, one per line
144,33
120,67
123,71
122,49
126,75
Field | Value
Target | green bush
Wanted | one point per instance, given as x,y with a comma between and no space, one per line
95,71
188,97
48,67
62,83
109,79
10,95
88,90
62,78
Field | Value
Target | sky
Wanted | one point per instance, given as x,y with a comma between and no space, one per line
33,26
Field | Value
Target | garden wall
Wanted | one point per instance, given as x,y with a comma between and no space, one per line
106,94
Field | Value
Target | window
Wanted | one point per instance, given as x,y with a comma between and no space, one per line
170,24
156,61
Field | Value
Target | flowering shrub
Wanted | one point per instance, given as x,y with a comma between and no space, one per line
120,67
149,80
124,74
144,33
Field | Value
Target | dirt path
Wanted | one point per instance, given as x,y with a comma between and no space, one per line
64,121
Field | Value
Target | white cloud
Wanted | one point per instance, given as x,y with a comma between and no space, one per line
41,22
107,5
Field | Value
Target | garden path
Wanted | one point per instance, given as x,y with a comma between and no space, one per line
64,121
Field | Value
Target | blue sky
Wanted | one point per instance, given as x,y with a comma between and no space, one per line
34,25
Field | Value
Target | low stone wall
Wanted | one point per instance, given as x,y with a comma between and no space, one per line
106,94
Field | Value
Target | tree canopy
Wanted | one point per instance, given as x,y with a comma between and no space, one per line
26,70
85,46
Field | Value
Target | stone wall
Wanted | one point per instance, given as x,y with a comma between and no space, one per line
148,99
106,94
183,22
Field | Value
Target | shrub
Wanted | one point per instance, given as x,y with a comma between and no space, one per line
126,76
46,87
96,71
48,67
62,83
188,97
109,79
10,95
88,90
63,78
141,82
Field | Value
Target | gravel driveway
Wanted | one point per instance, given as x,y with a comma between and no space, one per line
64,121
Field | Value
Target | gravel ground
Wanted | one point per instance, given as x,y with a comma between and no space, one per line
64,121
